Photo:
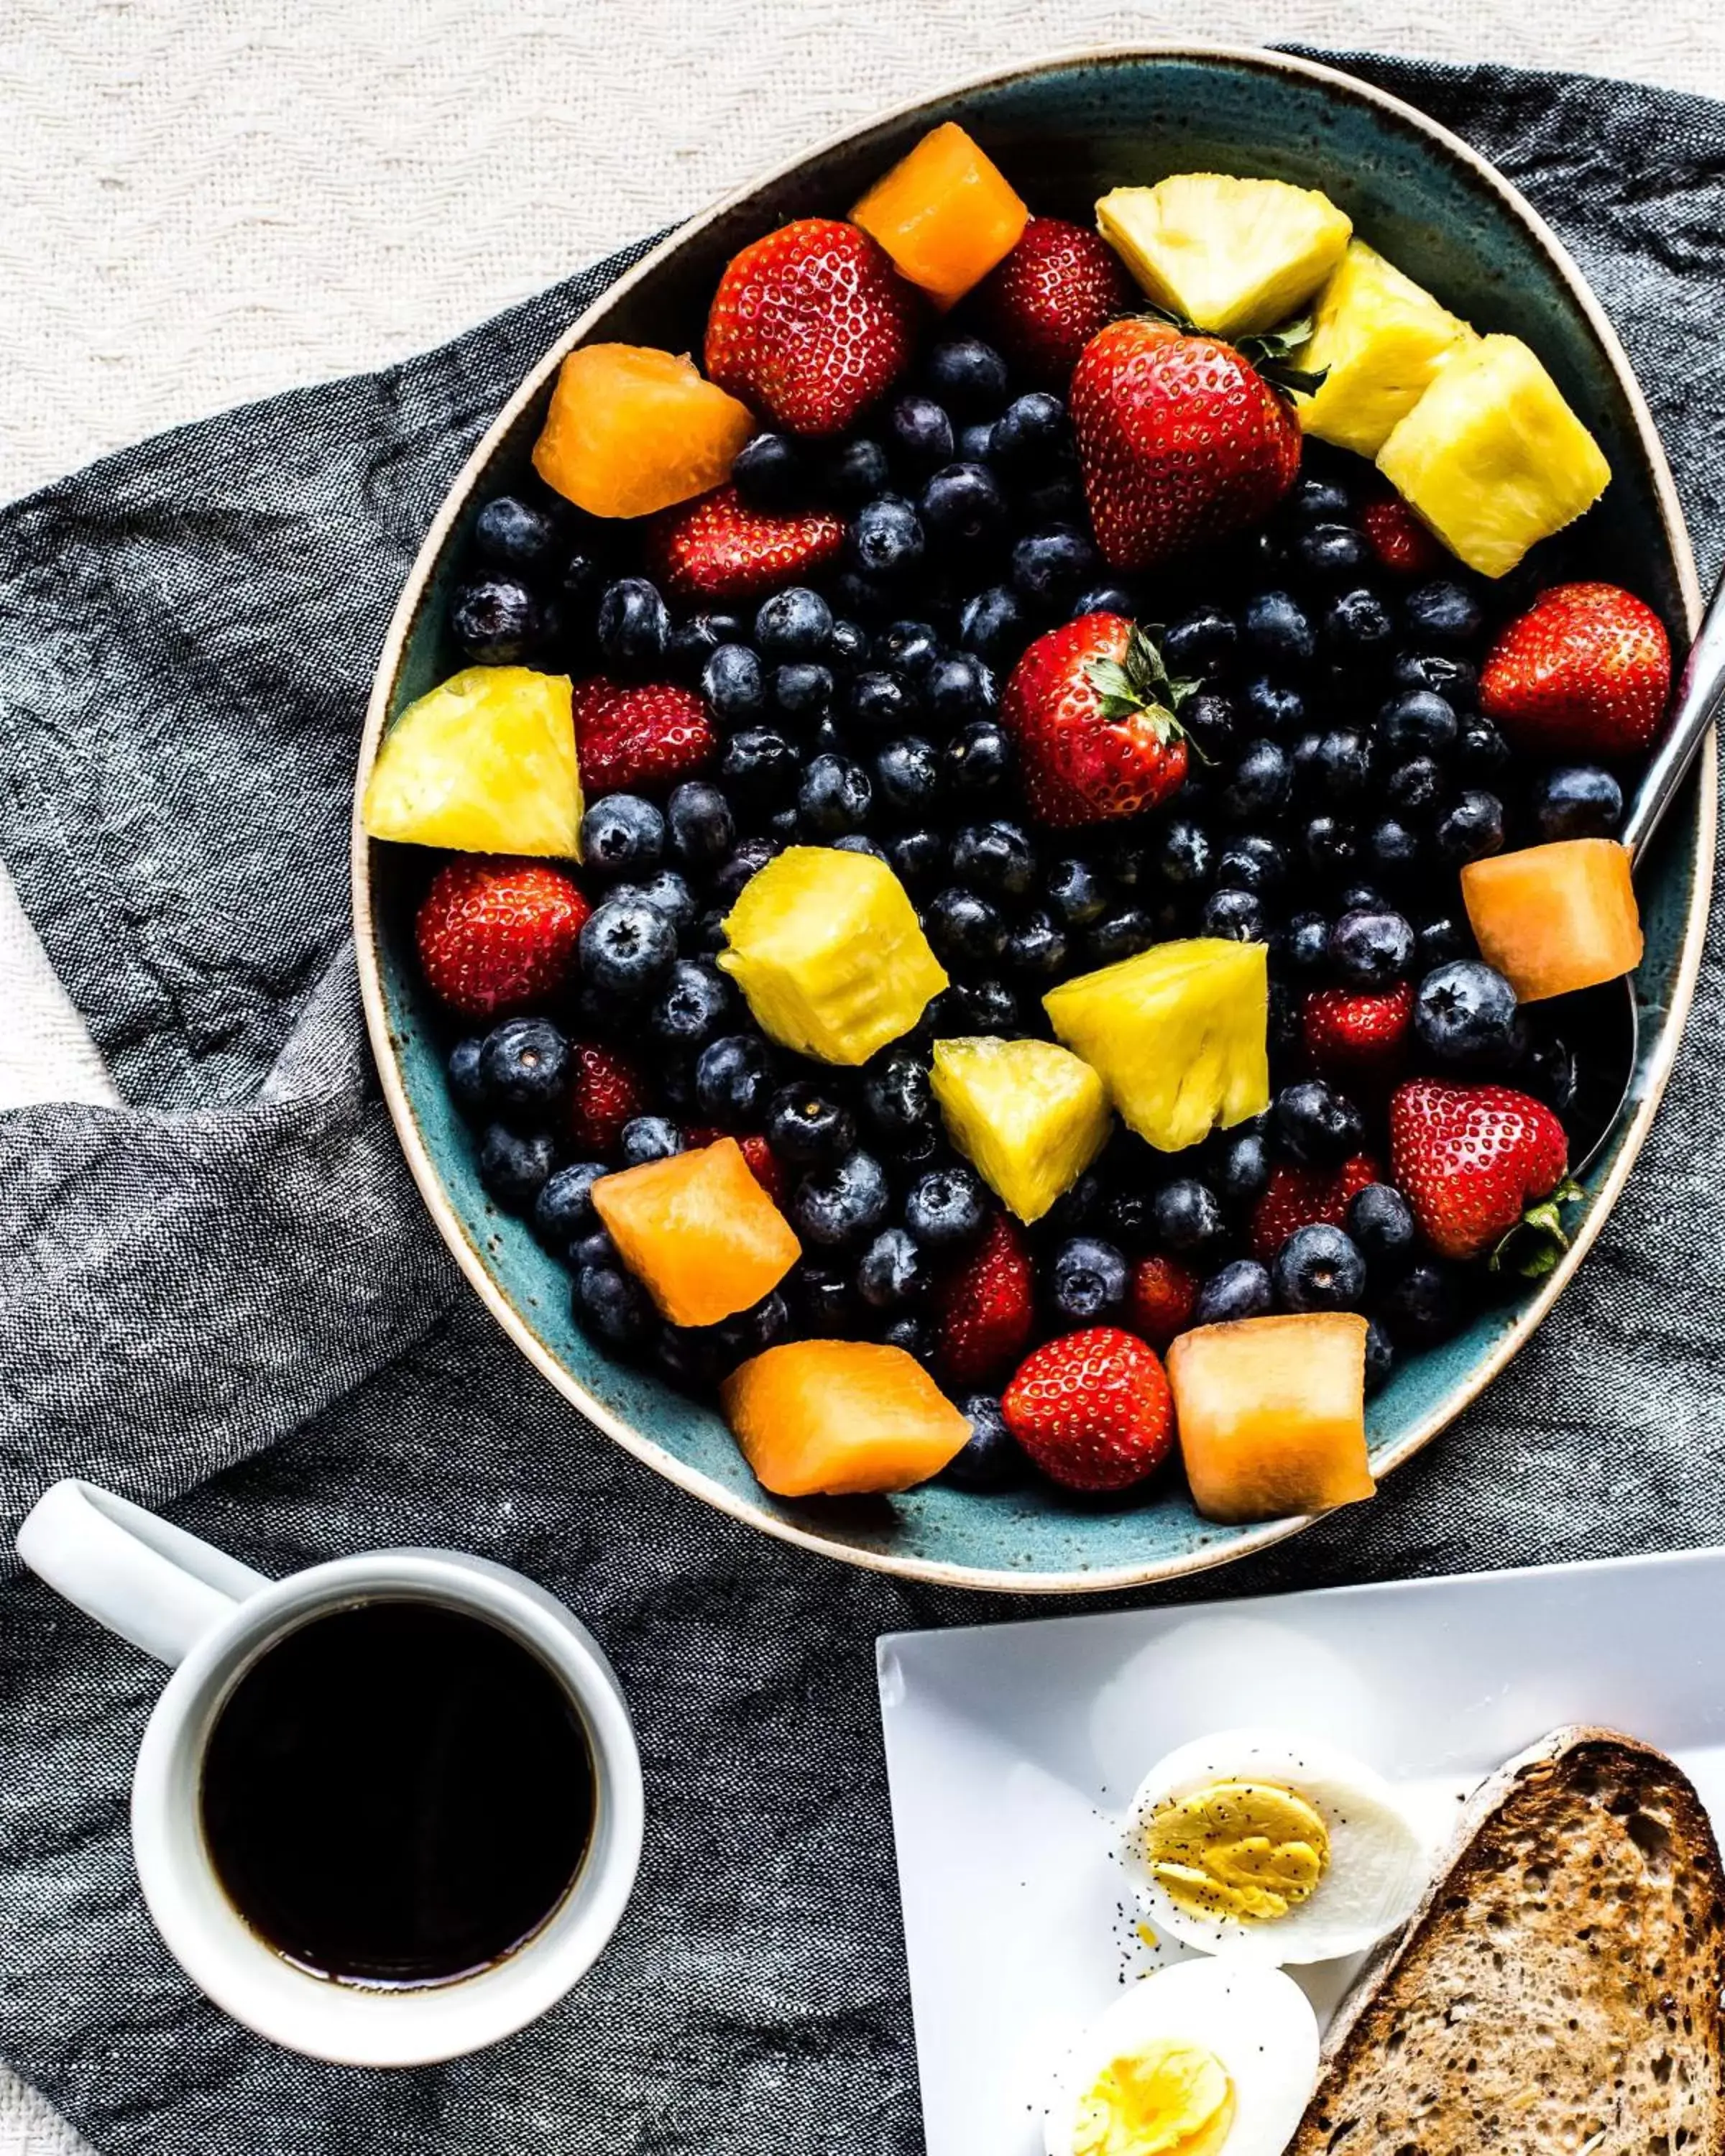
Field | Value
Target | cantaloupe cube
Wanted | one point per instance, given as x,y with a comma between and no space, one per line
631,430
699,1232
841,1418
1028,1116
945,214
1271,1413
1554,918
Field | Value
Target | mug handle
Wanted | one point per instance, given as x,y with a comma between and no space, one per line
152,1584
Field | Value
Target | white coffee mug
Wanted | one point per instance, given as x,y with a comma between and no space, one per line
210,1618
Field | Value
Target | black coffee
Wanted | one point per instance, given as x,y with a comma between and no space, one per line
397,1794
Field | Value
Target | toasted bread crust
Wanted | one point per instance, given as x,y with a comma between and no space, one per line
1558,1991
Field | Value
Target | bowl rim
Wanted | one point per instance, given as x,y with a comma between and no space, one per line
736,1504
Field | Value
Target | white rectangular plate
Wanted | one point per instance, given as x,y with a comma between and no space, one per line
1012,1750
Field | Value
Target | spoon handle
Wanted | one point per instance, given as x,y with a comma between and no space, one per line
1700,699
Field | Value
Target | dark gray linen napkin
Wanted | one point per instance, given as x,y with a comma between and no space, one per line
225,1299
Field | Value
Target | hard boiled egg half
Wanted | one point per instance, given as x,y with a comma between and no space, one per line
1208,2058
1279,1847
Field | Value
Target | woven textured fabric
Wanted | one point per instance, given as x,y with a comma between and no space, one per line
223,1298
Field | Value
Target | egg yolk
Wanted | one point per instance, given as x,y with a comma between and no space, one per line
1248,1851
1169,2099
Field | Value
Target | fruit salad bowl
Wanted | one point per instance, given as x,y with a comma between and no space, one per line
1063,133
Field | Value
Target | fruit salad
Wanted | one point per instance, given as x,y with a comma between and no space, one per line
1008,842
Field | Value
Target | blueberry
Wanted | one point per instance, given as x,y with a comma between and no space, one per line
1357,623
992,1459
1240,1289
693,1357
1318,1268
803,690
1029,433
990,1006
807,1128
993,625
964,927
749,859
692,643
760,767
1414,789
621,835
836,796
648,1137
1329,845
1212,724
563,1211
1342,765
513,533
855,470
1128,1215
1048,567
1259,785
996,857
1274,708
1251,862
1106,599
910,1332
1184,857
908,648
1440,939
1075,892
1471,828
1466,1015
632,624
699,824
513,1166
1418,722
959,688
494,620
733,1079
892,1271
1318,499
1576,801
523,1065
975,442
466,1078
1278,630
612,1306
1391,848
1037,948
669,892
734,685
1381,1222
1242,1166
1547,1070
945,1206
1451,677
897,1099
1363,898
919,857
1087,1282
594,1247
1187,1215
1122,934
1480,750
921,429
1200,644
627,947
849,644
907,776
823,1300
1318,1127
1332,553
977,759
1442,614
962,504
968,374
886,537
794,623
841,1204
694,1002
1237,914
768,471
1421,1306
1369,949
1380,1357
752,1330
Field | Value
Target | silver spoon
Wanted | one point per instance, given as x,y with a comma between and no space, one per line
1611,1014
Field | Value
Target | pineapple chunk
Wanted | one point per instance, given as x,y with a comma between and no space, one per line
1232,256
1028,1116
1177,1036
1378,338
1492,458
827,947
485,764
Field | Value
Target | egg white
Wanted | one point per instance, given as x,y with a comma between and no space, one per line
1255,2020
1378,1861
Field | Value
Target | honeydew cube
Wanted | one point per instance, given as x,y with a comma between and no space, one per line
1378,338
826,946
485,764
1230,255
1028,1116
1553,919
841,1418
1492,457
1271,1415
945,214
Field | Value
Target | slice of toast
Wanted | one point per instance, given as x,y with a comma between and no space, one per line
1558,1991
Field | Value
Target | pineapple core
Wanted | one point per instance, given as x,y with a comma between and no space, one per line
1378,339
1232,256
1028,1116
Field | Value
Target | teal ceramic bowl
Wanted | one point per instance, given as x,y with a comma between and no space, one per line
1064,132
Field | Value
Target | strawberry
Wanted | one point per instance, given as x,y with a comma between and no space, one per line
639,737
1092,1409
1399,540
985,1307
1045,302
494,931
1480,1164
810,325
1296,1196
1180,440
1349,1035
1096,720
1585,672
764,1164
717,547
605,1092
1160,1299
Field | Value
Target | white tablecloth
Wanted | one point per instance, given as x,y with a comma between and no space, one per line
207,200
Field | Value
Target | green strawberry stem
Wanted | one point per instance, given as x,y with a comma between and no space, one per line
1534,1245
1271,352
1139,685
